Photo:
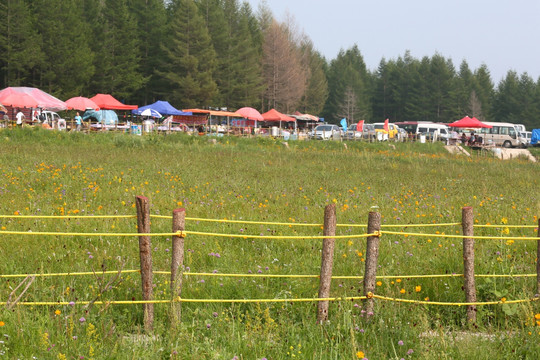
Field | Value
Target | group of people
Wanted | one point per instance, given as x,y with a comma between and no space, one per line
39,117
471,140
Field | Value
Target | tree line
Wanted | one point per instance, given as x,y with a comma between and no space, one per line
224,54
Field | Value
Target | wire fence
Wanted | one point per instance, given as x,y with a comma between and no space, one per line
182,233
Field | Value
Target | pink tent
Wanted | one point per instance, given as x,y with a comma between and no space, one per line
274,115
467,122
81,103
250,113
20,100
41,98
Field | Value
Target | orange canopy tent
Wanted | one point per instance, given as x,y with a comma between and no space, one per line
107,102
213,112
274,115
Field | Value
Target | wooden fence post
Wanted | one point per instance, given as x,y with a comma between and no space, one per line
538,261
145,251
177,263
327,261
372,257
467,223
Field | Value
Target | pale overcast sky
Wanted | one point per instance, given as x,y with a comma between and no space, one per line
500,33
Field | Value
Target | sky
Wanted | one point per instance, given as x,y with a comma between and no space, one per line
503,34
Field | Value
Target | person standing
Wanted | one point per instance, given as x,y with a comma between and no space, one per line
20,118
78,121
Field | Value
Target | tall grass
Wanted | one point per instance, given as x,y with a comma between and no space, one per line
260,179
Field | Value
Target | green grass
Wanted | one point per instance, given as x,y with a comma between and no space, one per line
51,173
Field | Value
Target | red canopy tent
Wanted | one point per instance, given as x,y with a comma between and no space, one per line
468,122
107,102
274,115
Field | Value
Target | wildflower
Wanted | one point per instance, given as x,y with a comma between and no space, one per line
82,319
400,342
72,303
537,316
360,354
2,323
208,326
418,288
379,283
410,351
57,312
402,291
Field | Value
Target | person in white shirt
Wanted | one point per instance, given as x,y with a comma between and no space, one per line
20,117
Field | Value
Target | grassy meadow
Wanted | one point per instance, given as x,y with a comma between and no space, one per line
52,173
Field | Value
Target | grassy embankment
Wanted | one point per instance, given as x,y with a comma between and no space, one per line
254,179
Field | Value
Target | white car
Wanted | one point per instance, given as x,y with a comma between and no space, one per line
524,138
326,132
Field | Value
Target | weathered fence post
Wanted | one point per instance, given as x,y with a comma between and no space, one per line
538,261
177,262
327,261
372,256
145,251
467,223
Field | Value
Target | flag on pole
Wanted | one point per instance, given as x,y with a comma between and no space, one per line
344,124
360,126
386,127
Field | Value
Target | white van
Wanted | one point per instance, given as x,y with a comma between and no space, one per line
433,130
500,134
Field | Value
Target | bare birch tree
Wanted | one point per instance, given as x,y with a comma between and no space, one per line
285,78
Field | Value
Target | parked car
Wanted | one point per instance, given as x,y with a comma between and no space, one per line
391,133
52,119
326,132
368,132
525,138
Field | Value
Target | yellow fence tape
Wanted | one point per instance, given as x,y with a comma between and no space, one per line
183,233
208,301
461,236
291,276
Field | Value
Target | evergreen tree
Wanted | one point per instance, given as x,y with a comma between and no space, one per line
441,76
317,89
151,27
483,87
347,79
380,94
117,59
463,88
220,29
190,59
67,64
20,44
248,87
507,104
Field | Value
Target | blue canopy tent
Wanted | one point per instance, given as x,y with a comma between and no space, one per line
535,138
163,107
